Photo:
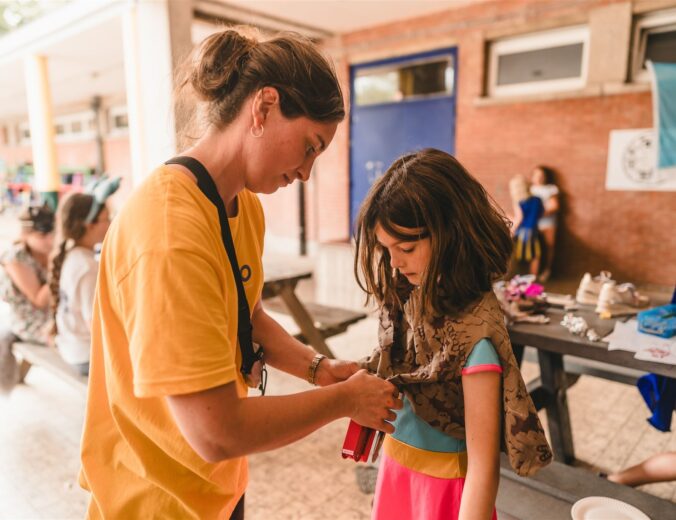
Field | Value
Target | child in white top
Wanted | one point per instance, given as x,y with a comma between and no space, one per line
82,222
543,187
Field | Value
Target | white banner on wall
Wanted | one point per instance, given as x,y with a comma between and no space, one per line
632,163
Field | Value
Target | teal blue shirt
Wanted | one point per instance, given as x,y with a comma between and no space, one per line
412,430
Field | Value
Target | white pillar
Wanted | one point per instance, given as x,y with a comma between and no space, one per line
41,121
155,34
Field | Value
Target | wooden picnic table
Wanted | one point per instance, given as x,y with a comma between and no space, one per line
316,322
553,342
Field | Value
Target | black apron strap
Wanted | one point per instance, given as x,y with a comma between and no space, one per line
244,329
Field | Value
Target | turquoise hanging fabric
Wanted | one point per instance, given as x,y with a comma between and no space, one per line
664,110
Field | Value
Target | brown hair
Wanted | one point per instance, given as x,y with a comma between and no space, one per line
35,218
71,226
469,235
547,172
229,66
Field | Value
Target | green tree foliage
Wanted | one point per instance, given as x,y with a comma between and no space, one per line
15,13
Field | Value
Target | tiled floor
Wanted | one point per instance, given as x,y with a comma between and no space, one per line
39,450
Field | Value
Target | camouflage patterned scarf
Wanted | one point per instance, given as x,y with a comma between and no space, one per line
424,358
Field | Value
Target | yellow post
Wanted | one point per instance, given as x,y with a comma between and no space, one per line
46,173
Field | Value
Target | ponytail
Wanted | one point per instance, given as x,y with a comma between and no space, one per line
54,277
71,225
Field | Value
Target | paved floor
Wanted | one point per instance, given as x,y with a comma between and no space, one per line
40,425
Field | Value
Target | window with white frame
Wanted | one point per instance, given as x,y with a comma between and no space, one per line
24,133
74,127
546,61
118,120
429,77
655,40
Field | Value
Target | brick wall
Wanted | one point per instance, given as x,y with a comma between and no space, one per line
629,233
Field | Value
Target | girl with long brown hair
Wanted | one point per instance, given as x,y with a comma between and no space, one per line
81,223
544,187
430,243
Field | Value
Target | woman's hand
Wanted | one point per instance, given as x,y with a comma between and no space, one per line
373,401
332,371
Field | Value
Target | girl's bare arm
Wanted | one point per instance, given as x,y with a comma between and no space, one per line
483,405
27,282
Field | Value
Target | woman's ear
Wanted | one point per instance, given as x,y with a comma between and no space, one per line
264,101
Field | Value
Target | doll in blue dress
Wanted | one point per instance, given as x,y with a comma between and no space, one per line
527,212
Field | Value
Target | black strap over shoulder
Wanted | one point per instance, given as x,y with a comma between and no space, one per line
244,329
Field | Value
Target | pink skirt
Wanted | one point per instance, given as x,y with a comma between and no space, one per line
406,494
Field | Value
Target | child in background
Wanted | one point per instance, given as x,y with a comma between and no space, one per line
82,222
543,187
527,212
658,468
23,279
430,243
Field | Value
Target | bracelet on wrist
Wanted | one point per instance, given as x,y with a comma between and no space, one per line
312,369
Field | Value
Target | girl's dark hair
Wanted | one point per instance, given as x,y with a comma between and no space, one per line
37,218
228,67
547,172
469,234
71,226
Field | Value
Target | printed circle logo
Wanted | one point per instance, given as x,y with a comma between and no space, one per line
245,272
638,160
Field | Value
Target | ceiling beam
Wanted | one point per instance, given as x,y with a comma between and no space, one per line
214,10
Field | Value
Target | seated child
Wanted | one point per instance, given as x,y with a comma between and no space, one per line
23,277
82,223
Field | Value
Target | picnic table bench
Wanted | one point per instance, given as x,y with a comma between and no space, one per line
329,321
49,359
550,493
315,321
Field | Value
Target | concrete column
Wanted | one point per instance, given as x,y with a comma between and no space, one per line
155,36
47,180
609,44
98,139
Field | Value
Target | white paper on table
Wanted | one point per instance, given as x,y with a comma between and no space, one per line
659,352
625,336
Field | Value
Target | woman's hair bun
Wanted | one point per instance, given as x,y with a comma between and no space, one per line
219,63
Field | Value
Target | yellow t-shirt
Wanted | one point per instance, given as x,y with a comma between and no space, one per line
165,323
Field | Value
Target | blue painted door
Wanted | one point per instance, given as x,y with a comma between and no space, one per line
386,123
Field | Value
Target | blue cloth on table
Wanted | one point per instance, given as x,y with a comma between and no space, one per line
659,394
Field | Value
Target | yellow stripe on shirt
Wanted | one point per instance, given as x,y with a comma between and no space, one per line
432,463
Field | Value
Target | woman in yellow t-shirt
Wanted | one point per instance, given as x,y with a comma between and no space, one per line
168,420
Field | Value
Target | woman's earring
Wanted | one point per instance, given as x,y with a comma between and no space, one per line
256,134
